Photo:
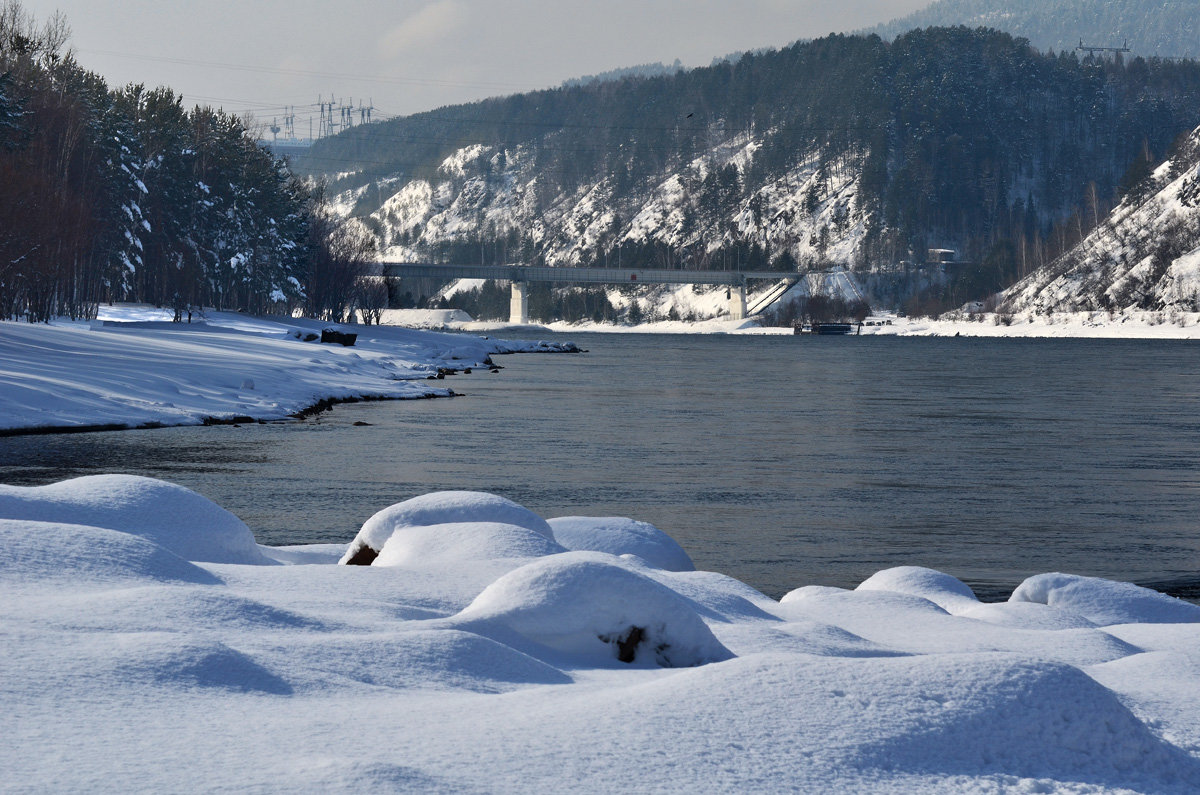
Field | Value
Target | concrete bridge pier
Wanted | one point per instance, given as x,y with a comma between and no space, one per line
518,307
737,301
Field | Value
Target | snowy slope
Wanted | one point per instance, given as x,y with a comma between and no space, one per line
482,192
1143,256
487,650
133,367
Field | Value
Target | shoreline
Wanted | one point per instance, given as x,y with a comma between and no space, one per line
133,369
321,406
1140,325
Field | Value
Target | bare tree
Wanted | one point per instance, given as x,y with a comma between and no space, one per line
341,254
371,296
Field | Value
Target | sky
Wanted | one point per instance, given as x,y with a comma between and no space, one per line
405,56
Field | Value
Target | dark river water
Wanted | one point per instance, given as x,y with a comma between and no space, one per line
782,461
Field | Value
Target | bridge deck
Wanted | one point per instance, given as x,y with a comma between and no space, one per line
525,273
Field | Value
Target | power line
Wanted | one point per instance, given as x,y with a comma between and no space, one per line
313,73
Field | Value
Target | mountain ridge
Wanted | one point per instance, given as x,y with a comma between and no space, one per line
843,150
1147,27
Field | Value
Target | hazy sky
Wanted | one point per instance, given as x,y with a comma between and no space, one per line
412,55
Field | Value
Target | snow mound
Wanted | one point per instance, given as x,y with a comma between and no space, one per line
54,552
591,607
948,593
1027,615
827,640
797,595
1105,602
441,507
617,535
156,609
1000,714
174,661
463,541
717,596
440,659
176,518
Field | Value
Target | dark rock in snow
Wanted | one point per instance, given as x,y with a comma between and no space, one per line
363,556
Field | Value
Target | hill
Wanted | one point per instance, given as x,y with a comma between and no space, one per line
1151,27
1144,256
846,150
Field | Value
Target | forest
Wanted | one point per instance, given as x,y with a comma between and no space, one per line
961,138
1145,27
111,194
954,137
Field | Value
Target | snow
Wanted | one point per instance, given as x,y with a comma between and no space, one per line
447,507
1105,602
457,541
948,593
477,654
618,535
436,319
588,605
177,519
133,367
1143,254
811,212
1131,324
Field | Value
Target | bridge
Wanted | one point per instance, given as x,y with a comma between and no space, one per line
522,275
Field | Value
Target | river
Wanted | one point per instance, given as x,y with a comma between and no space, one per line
782,461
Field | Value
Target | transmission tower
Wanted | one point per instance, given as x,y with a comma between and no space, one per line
1093,49
347,115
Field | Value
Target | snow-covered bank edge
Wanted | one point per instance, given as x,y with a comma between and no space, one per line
1061,325
1077,325
133,368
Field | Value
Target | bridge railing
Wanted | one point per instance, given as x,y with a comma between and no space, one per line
535,273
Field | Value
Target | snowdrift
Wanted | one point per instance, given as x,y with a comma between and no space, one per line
617,535
177,519
442,508
592,608
487,649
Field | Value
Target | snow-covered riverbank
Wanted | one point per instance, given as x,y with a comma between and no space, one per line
149,644
1081,325
133,367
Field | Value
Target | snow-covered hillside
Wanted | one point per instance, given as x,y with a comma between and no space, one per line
1145,256
811,213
